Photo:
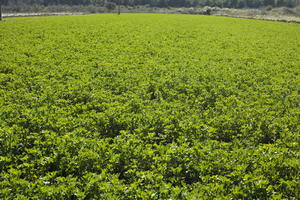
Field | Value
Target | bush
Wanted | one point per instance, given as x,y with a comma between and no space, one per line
269,8
287,11
110,5
207,10
298,8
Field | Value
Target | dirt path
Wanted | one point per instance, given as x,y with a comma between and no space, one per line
267,18
41,14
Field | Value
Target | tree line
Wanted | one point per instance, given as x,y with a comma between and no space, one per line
161,3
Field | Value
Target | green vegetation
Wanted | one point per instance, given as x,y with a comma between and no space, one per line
145,106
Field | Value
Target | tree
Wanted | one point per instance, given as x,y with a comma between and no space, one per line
119,7
110,6
159,3
0,10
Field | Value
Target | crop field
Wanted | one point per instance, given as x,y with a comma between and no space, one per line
149,106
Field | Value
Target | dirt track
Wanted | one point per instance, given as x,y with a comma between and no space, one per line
41,14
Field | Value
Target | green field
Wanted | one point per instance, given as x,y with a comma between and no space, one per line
149,106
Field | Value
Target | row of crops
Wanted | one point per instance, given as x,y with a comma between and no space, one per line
148,106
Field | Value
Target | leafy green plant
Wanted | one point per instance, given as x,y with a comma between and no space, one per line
145,106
